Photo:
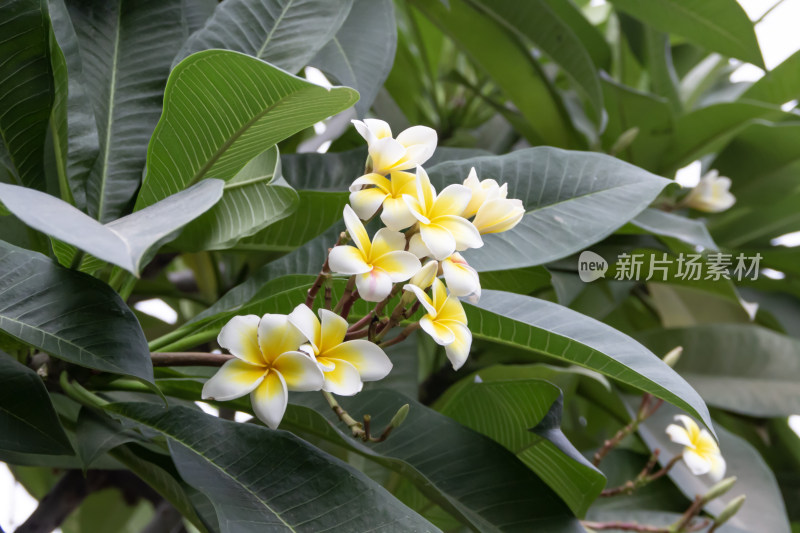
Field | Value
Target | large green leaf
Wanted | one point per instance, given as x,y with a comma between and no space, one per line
361,53
779,85
69,315
692,232
558,332
718,25
26,86
741,368
285,33
506,409
591,37
764,509
536,21
261,479
128,242
254,198
573,199
28,422
126,48
221,109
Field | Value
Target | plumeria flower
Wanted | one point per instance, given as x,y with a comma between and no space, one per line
482,191
424,278
712,194
377,264
462,279
441,227
445,322
701,453
387,193
346,364
498,215
411,148
267,365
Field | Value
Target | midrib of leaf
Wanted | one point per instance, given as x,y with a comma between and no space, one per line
274,27
706,23
245,183
111,97
26,423
335,40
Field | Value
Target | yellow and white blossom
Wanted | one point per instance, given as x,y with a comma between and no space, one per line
462,280
376,264
712,194
411,148
267,364
498,215
424,278
441,227
346,364
701,453
445,322
387,193
482,191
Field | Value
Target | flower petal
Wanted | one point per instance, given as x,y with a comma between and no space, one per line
422,297
425,276
371,362
396,214
366,202
458,350
333,330
697,464
718,467
417,246
349,260
234,379
679,435
356,230
498,215
421,143
343,380
425,191
277,335
452,310
438,240
463,231
371,179
462,279
451,201
269,399
439,295
306,321
374,286
240,337
379,128
299,371
441,334
415,208
403,183
387,155
386,241
399,266
691,427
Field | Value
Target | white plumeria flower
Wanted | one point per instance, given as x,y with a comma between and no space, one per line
377,264
346,364
445,322
387,193
441,227
462,279
267,365
424,278
411,148
701,453
498,215
712,194
482,191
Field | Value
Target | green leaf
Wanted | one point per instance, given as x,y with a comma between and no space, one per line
690,231
237,465
591,37
27,418
741,368
26,86
197,12
555,331
128,242
69,315
126,49
573,199
779,85
284,33
537,22
198,137
361,53
253,199
506,410
718,25
764,509
96,434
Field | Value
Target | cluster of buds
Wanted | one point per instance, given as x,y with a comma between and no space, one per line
424,231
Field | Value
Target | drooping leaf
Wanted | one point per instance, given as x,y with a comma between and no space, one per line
28,422
561,191
69,315
128,242
779,85
26,86
96,434
690,231
126,48
199,137
718,25
284,33
238,467
361,53
559,332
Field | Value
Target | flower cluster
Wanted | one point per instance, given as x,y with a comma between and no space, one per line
424,231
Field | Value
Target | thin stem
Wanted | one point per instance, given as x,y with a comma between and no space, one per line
645,410
75,391
767,12
403,335
348,292
362,322
349,304
355,426
181,342
189,359
359,334
324,273
624,526
77,259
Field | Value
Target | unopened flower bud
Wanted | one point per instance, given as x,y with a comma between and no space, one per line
671,359
731,509
399,416
719,489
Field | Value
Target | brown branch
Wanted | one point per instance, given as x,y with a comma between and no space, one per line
324,274
189,358
645,410
403,335
625,526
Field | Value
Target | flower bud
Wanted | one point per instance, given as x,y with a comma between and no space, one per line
399,416
731,509
673,356
719,489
